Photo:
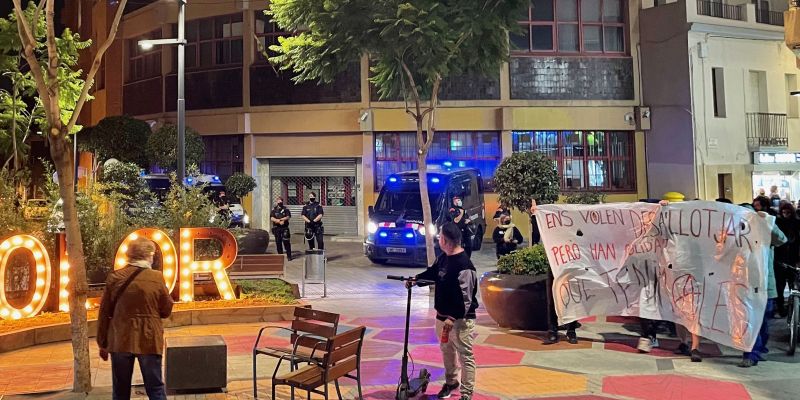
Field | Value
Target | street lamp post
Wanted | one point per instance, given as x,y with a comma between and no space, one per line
181,42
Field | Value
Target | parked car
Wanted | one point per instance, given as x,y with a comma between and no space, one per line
36,209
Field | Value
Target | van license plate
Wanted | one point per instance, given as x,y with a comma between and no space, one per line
395,250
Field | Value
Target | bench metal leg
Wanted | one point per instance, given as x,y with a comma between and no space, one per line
255,378
338,392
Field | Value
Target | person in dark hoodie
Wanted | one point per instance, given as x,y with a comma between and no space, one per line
506,236
455,301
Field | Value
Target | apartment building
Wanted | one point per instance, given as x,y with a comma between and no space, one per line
718,79
570,90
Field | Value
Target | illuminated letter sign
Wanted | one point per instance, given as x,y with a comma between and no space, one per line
172,264
42,262
189,266
169,256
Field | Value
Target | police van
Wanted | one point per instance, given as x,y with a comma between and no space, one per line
395,232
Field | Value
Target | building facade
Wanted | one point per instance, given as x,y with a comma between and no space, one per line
718,77
571,90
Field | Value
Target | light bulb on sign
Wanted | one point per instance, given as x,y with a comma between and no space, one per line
4,312
121,262
157,236
186,259
40,282
223,286
37,255
168,273
168,260
64,280
165,246
29,244
64,294
193,267
133,236
5,246
64,308
185,285
185,234
219,275
37,296
218,264
16,315
228,296
28,309
124,248
64,265
40,268
186,246
187,298
206,266
16,241
185,272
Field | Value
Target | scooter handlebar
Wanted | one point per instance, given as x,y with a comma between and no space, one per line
418,282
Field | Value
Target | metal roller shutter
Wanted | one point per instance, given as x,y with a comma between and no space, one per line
298,176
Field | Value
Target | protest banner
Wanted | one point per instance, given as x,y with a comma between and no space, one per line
699,264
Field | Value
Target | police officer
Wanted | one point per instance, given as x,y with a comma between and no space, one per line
280,216
312,215
459,216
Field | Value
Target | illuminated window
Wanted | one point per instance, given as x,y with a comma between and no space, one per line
397,152
586,160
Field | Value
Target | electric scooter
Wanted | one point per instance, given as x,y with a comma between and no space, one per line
410,388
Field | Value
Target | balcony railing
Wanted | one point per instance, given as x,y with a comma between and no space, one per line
767,130
720,10
769,17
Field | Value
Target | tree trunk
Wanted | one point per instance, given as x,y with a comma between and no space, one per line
427,218
78,287
14,125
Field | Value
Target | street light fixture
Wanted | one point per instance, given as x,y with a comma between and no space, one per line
181,43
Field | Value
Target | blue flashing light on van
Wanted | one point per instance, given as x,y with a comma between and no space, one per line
395,231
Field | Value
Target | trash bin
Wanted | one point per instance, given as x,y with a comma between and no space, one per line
314,271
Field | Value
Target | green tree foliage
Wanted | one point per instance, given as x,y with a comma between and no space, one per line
20,109
11,217
190,207
526,176
163,143
118,137
412,46
240,185
123,178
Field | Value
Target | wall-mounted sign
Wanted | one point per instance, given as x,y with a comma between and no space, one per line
775,158
174,260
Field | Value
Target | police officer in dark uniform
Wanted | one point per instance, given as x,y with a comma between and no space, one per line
312,215
280,216
459,216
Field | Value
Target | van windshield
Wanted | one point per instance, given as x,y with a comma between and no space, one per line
410,202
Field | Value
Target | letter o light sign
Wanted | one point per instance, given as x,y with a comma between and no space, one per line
41,260
179,265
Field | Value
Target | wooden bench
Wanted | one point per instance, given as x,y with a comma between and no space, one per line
256,266
309,332
342,356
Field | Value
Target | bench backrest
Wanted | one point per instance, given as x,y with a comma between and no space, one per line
343,353
313,322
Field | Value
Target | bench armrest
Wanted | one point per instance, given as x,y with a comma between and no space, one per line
260,331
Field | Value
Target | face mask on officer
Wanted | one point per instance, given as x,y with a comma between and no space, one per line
312,199
280,202
458,202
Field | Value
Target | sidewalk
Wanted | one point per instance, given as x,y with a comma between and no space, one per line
511,365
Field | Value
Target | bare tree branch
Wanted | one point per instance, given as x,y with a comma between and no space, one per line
54,116
28,46
36,15
98,59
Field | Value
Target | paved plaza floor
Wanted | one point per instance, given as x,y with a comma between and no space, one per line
511,364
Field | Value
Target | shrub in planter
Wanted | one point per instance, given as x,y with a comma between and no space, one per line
515,296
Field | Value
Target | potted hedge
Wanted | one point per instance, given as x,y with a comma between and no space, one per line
515,295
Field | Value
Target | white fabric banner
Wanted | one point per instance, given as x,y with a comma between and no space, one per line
699,264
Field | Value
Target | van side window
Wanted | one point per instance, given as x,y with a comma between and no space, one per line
466,189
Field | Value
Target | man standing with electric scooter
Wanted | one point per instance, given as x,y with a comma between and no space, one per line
455,302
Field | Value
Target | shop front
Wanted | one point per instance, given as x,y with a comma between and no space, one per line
778,169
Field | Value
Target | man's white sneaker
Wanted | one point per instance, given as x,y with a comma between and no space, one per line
645,345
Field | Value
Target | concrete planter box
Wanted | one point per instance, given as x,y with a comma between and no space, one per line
61,332
515,301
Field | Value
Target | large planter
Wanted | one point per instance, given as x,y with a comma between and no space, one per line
515,301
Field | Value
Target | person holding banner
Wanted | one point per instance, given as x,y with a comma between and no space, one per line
552,317
786,256
752,357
